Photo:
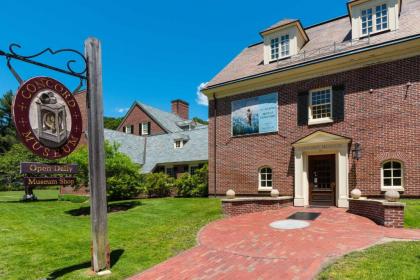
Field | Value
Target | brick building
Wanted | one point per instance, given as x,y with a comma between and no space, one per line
157,140
315,112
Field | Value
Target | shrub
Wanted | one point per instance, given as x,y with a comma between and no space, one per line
10,177
193,185
123,178
73,198
158,185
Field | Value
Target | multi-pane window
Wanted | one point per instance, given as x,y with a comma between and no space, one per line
128,129
266,178
367,21
320,103
374,20
392,174
144,128
178,144
285,46
275,48
381,17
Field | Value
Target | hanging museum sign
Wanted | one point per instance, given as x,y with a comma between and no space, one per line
47,117
255,115
46,168
49,181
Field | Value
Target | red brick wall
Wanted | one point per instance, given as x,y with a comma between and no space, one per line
387,215
180,108
385,123
138,116
232,207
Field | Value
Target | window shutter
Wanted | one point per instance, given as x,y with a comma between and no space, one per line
140,130
338,102
124,129
132,129
148,128
302,108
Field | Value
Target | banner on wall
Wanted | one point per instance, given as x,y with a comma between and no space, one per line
255,115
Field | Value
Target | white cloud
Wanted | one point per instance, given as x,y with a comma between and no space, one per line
201,99
121,110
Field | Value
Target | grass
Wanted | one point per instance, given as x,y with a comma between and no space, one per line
51,239
412,213
395,260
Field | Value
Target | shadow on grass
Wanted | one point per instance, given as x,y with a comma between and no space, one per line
29,201
115,256
112,207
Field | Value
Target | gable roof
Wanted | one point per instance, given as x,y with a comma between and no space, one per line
166,120
322,39
158,149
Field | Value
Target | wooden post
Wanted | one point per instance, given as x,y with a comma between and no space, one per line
97,181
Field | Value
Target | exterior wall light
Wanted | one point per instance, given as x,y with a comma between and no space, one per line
357,151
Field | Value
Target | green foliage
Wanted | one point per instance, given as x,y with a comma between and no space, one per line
201,121
10,177
7,128
73,198
193,185
158,184
123,178
112,123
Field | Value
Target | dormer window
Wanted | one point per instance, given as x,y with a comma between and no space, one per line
367,22
283,39
285,46
178,144
274,48
380,17
373,16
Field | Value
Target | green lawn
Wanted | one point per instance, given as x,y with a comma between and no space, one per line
412,213
51,239
395,260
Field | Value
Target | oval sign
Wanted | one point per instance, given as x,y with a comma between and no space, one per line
47,117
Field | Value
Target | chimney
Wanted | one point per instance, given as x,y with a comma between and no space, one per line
180,108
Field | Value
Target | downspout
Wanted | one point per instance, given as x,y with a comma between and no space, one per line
214,143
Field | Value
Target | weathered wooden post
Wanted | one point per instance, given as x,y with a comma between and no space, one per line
97,181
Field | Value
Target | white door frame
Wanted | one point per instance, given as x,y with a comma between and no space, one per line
321,143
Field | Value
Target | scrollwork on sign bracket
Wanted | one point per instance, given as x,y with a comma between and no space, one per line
13,54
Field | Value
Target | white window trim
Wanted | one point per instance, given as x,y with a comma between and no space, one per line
259,179
312,121
128,129
373,7
181,144
389,188
145,125
279,47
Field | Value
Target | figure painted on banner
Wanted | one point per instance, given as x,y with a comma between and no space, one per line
249,117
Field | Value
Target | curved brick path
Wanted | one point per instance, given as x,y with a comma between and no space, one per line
245,247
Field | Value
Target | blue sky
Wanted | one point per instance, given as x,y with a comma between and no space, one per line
153,51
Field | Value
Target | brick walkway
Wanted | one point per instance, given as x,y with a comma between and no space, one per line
246,247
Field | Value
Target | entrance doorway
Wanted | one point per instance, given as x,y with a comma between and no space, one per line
322,180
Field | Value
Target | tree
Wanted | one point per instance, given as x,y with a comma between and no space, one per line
201,121
112,123
10,177
123,178
7,128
